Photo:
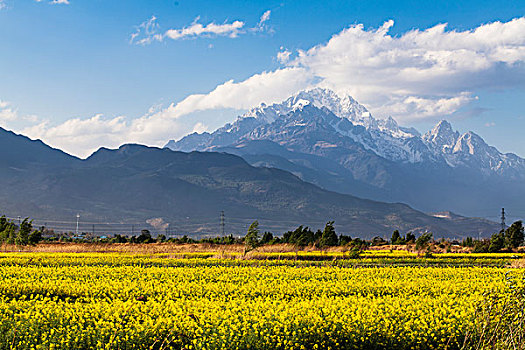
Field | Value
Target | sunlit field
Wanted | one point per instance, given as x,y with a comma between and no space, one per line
200,300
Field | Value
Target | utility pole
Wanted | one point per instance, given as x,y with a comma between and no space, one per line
19,223
222,223
503,226
93,230
78,218
132,230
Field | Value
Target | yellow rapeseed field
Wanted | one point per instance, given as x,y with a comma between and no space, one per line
124,301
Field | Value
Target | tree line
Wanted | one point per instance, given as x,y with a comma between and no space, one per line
22,234
506,240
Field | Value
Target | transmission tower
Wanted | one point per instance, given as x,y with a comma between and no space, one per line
76,231
222,223
503,226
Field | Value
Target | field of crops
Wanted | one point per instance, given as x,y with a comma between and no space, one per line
123,301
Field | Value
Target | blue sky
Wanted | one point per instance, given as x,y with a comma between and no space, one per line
71,74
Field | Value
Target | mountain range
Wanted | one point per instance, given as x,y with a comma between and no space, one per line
139,184
335,142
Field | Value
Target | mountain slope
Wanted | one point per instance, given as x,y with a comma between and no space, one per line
20,152
441,170
188,190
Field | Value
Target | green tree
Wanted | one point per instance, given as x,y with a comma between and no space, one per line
300,237
378,241
8,234
329,237
396,236
144,237
118,239
468,242
344,240
410,237
35,237
423,241
4,223
497,242
25,229
514,235
251,240
7,231
481,246
267,238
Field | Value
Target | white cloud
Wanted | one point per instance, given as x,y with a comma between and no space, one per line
2,4
7,113
149,31
262,25
490,124
420,74
414,107
78,136
196,29
267,86
55,2
265,17
283,56
83,136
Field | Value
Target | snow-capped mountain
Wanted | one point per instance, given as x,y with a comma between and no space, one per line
386,161
383,137
470,150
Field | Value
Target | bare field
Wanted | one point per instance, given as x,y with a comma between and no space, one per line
167,248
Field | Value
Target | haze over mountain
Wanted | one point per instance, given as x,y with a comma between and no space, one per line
188,190
334,142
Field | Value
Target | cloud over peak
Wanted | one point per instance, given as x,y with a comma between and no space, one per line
421,74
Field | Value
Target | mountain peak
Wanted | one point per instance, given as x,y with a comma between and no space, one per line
342,106
442,135
318,96
443,127
470,143
13,146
